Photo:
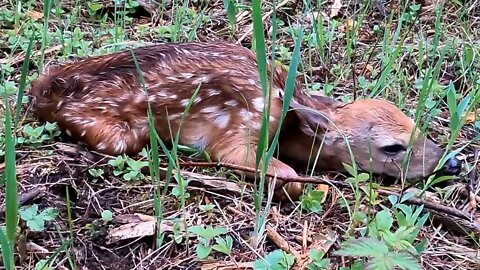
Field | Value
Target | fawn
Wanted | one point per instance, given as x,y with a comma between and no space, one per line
101,101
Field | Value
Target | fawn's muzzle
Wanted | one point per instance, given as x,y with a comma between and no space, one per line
453,166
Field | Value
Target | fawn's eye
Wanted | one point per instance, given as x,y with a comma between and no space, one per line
394,149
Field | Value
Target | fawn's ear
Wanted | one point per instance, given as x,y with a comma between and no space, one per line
315,116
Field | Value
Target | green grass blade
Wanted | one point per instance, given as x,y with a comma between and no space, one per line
258,35
23,77
47,7
7,251
289,89
11,179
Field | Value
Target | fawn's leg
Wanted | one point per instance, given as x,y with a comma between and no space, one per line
234,152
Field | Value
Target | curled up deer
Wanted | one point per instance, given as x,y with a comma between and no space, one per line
101,101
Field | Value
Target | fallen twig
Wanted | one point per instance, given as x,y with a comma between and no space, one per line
264,17
309,180
30,195
281,242
413,200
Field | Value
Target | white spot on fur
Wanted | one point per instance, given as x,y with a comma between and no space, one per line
172,78
161,94
102,146
69,133
184,102
83,133
59,105
197,100
186,75
174,116
212,109
246,115
258,103
139,98
252,82
256,125
221,120
120,146
213,92
201,79
231,103
90,123
239,58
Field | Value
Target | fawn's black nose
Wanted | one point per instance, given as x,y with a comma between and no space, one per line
453,166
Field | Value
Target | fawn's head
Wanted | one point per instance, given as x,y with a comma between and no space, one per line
376,132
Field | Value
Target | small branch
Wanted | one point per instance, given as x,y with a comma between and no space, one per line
413,200
281,242
308,180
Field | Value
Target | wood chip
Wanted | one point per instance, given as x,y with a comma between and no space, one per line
324,189
321,243
34,15
139,227
281,242
472,117
35,248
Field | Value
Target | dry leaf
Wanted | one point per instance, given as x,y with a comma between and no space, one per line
34,15
324,189
322,242
35,248
337,5
140,227
132,218
347,26
472,117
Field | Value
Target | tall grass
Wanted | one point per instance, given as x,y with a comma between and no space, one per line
265,148
47,7
8,237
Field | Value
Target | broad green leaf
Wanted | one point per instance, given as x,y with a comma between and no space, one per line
405,261
27,213
363,177
407,196
406,209
421,246
378,263
276,259
49,214
203,251
107,215
36,224
224,245
42,265
384,220
363,247
316,255
209,232
393,199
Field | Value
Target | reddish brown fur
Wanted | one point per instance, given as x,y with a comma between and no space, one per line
99,100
